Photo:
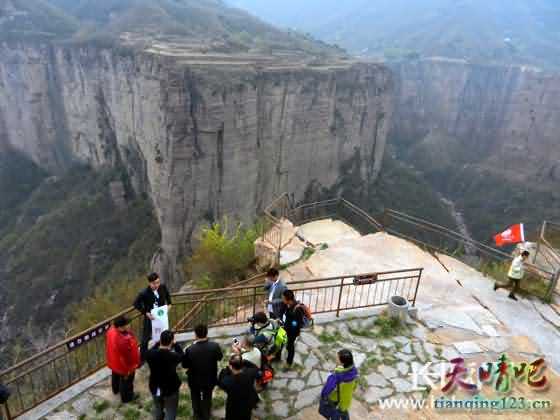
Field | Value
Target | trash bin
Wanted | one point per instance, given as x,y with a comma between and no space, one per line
398,307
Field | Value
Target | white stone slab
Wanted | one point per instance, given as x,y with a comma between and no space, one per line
489,330
468,347
452,317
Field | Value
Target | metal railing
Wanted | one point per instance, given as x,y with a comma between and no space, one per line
548,252
57,368
447,241
48,373
282,209
274,215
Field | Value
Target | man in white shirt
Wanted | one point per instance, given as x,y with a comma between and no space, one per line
515,275
275,288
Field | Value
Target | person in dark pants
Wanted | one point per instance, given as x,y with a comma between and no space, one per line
238,382
274,287
153,296
123,358
339,388
201,361
293,321
164,382
515,275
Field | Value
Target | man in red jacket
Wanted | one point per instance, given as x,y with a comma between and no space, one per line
123,357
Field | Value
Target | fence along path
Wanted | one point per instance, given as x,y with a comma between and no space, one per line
50,372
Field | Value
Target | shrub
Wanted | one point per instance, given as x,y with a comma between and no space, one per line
388,326
226,251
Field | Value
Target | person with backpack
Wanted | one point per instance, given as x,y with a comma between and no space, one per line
336,396
261,325
269,337
164,383
293,322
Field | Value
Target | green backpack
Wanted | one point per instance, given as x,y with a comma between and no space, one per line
280,338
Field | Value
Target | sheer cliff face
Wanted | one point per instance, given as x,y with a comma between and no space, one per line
504,119
202,141
484,136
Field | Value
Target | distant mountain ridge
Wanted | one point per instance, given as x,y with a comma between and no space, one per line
210,22
498,31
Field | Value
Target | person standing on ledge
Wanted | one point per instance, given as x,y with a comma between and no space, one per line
293,322
515,275
123,358
275,288
201,361
336,396
153,296
238,382
164,382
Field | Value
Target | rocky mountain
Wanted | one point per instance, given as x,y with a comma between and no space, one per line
199,136
187,133
484,135
498,31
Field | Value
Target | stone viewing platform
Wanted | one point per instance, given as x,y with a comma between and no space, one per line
458,316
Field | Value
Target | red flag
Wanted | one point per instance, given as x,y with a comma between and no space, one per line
513,235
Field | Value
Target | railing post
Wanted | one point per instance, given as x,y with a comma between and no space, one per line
539,239
7,411
417,285
254,300
553,284
339,297
385,218
279,250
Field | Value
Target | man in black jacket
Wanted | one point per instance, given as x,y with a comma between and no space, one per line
164,382
238,382
293,321
201,361
153,296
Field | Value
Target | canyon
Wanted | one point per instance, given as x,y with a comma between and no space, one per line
486,136
203,137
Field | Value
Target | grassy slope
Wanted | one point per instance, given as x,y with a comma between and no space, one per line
67,238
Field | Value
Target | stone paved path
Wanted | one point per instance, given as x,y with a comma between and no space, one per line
385,366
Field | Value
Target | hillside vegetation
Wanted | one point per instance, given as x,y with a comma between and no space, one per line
502,31
61,239
206,22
